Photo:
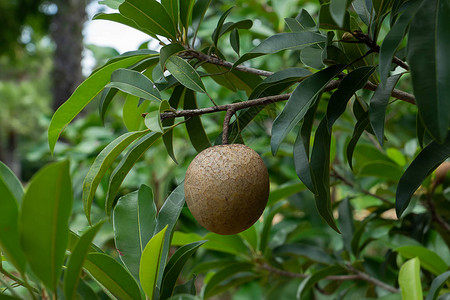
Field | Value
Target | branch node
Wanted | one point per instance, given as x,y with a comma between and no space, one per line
226,125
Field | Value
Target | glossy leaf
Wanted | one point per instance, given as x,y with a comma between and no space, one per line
105,100
312,57
346,223
378,105
185,74
320,173
327,20
12,182
235,41
283,41
134,222
364,10
409,280
429,260
119,18
112,275
198,13
233,80
301,163
224,274
132,112
72,274
134,83
310,281
151,260
168,136
394,38
360,126
216,34
351,83
303,21
153,118
338,8
46,209
194,126
427,160
250,236
230,26
436,285
167,51
9,223
428,46
174,267
299,103
101,164
85,92
172,8
186,8
151,15
313,253
73,240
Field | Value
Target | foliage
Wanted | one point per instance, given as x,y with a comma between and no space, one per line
357,155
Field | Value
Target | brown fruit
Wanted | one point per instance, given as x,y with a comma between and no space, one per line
227,188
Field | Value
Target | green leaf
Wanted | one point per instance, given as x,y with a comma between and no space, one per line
265,233
251,237
153,118
134,83
106,98
230,26
283,41
172,8
112,275
73,240
167,51
168,136
186,8
394,38
85,92
313,253
346,223
233,80
101,164
351,83
428,46
378,105
284,191
338,8
151,260
151,15
427,160
185,74
224,274
311,280
168,217
72,274
118,18
174,266
134,222
312,57
12,182
9,222
360,126
301,163
125,165
194,126
198,13
327,20
234,40
299,102
409,280
216,34
429,260
381,169
132,112
320,173
364,10
46,209
436,285
114,4
302,22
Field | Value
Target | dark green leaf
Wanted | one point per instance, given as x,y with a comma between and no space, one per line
310,281
224,274
301,162
168,136
320,172
234,40
233,80
409,280
174,266
229,26
436,285
338,8
303,21
427,160
186,288
299,103
185,74
194,125
172,8
101,164
151,15
312,57
72,274
284,191
134,83
394,38
346,223
428,48
113,276
84,94
134,222
283,41
44,228
378,105
106,98
167,51
186,8
118,18
198,13
73,240
216,34
268,225
9,224
429,260
12,182
151,262
364,10
327,21
132,111
381,169
360,126
301,249
354,81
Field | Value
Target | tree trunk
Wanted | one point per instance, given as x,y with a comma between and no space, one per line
8,153
66,31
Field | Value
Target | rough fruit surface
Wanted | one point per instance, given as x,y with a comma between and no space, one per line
227,188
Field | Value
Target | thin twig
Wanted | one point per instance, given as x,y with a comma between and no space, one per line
366,277
432,209
226,125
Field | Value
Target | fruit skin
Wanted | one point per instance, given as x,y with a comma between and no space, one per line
227,188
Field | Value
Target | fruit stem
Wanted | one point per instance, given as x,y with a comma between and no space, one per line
226,125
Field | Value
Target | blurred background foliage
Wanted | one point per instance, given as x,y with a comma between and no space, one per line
31,50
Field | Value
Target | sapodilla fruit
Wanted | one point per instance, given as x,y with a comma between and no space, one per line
227,188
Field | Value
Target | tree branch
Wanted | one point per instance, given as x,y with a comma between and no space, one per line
226,125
